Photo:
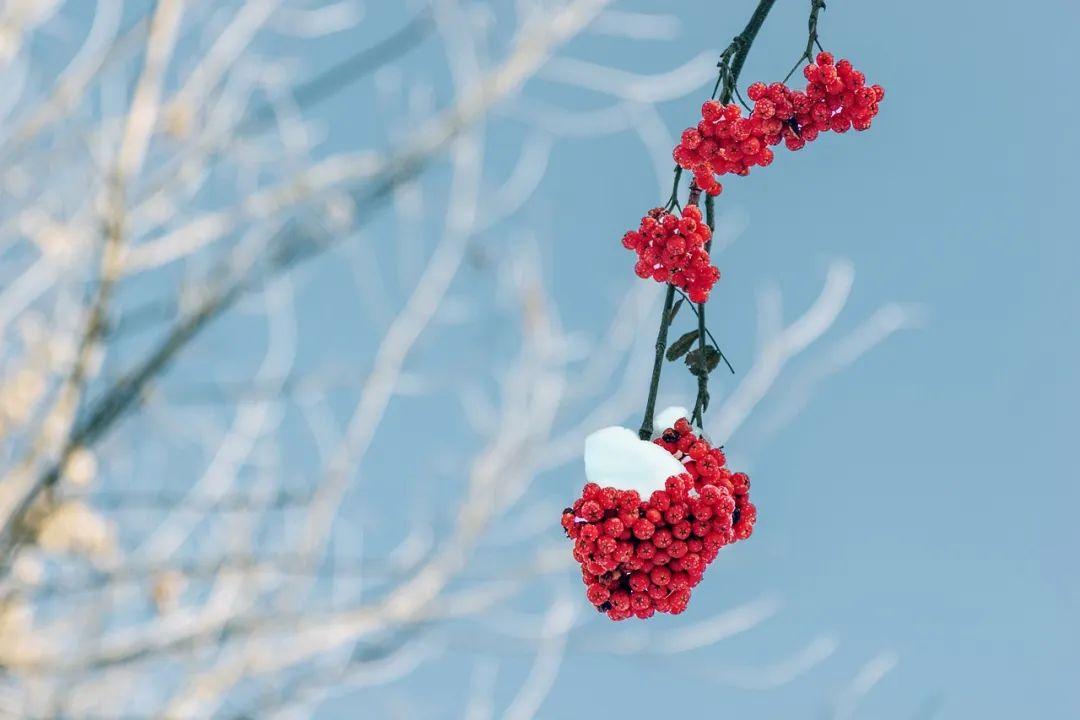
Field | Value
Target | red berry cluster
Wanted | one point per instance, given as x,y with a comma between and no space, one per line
836,98
672,250
639,557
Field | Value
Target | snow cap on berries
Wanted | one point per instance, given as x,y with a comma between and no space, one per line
667,418
614,456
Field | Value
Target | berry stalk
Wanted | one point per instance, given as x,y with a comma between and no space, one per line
816,6
733,58
701,404
658,363
731,63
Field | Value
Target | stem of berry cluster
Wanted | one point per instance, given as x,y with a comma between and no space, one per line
658,363
731,64
816,6
673,201
733,58
701,404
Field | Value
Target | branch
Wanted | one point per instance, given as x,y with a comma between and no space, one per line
535,45
658,364
138,126
731,63
732,59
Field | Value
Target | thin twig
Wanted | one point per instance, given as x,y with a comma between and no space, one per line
816,6
716,344
658,365
701,403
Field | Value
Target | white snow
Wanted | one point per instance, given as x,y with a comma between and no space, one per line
667,418
615,456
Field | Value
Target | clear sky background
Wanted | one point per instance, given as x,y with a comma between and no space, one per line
920,512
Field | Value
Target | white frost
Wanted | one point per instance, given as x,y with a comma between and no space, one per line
615,456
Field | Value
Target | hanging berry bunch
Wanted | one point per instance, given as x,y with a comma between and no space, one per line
656,510
643,556
672,250
836,98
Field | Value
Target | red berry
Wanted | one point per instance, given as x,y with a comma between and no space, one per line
620,600
598,594
711,110
643,529
660,576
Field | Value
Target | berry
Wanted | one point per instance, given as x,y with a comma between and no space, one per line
643,529
598,594
639,557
